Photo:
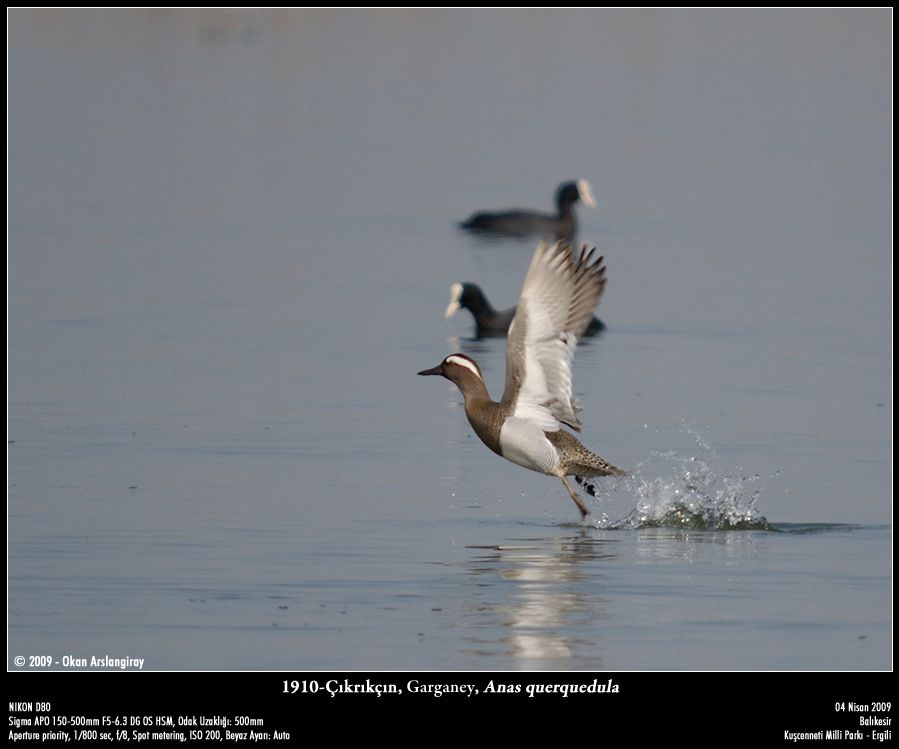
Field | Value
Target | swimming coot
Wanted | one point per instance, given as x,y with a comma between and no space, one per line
523,223
488,322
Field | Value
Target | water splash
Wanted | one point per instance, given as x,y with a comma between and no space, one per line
687,492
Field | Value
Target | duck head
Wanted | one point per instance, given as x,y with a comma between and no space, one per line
457,368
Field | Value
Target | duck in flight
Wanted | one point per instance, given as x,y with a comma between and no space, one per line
560,292
488,322
525,223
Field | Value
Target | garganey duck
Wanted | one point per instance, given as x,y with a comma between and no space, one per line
488,322
560,292
524,223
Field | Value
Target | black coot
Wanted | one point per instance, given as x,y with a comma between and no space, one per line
523,223
488,322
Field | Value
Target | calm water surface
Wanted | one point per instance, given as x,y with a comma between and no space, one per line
231,239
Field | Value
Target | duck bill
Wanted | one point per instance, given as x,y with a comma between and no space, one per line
438,370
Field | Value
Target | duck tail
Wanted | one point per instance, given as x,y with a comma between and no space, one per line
594,465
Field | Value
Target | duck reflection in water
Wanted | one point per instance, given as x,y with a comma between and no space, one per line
545,593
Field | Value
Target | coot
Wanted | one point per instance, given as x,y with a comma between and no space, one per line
523,223
488,322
